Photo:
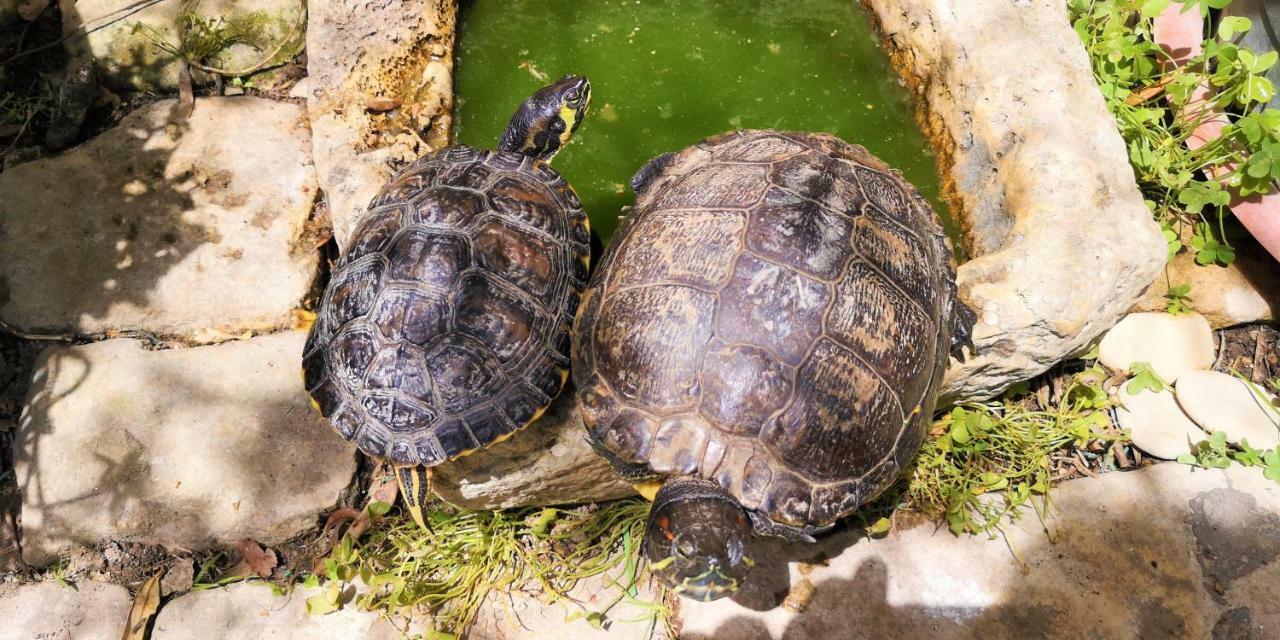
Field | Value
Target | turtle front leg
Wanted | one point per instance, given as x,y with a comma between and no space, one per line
415,489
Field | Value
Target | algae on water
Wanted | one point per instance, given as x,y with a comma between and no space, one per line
667,73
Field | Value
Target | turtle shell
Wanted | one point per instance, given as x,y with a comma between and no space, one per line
774,315
445,326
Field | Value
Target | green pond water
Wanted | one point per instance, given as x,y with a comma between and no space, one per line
667,73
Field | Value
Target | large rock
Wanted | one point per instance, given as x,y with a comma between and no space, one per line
359,50
1035,168
1246,291
524,615
178,227
183,447
248,610
1165,552
550,462
85,611
124,47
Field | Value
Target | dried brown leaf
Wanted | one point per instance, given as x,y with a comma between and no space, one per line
357,518
145,605
260,561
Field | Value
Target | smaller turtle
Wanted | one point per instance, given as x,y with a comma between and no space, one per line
763,343
445,327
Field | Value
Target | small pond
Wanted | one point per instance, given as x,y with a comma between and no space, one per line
668,73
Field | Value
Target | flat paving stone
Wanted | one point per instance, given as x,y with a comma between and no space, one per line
1172,345
1157,424
1220,402
182,447
189,228
522,616
47,610
1165,552
249,610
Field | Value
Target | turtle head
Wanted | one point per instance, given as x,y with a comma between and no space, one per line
546,121
696,539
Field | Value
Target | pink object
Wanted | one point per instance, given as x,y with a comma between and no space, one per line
1180,33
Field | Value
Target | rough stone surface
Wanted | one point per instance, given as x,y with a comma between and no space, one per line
522,616
178,227
1172,345
1038,174
1220,402
1157,424
1246,291
131,60
358,50
249,610
182,447
90,611
1165,552
550,462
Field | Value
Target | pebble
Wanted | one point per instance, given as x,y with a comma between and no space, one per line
1220,402
1172,345
1156,423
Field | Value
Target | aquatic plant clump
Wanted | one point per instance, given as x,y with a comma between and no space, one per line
1149,98
450,567
984,462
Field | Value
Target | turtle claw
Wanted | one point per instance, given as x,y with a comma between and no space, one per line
962,331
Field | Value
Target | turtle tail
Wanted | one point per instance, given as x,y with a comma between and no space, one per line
415,488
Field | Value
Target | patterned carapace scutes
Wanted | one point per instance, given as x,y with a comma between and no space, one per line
445,326
774,315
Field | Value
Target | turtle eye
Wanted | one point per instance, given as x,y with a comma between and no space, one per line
573,97
683,547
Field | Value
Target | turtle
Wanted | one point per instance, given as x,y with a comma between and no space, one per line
445,325
762,344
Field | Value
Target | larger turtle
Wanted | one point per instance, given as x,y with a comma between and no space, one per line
763,343
445,327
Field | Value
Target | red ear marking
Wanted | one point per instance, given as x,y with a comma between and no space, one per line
664,524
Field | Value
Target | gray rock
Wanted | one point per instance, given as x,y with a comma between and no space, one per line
130,60
1033,164
183,447
1134,555
188,227
1219,402
85,611
1172,345
357,50
1265,35
550,462
251,610
1156,423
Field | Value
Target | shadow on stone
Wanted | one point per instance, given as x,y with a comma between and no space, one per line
1152,556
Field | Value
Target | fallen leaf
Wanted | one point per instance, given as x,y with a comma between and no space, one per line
358,519
261,561
384,487
145,605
